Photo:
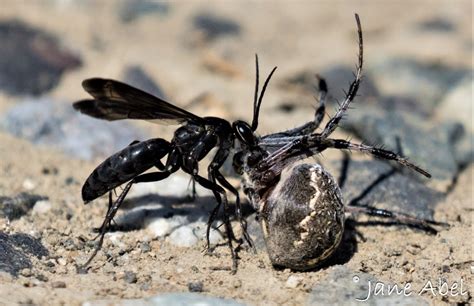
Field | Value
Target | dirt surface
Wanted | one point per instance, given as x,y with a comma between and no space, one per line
186,64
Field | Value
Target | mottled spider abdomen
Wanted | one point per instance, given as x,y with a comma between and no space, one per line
302,217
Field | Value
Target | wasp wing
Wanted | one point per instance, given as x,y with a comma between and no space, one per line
115,100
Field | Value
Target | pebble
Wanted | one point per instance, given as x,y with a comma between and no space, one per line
130,277
195,286
58,284
183,237
43,59
29,184
145,247
42,207
17,206
130,11
62,261
213,26
293,281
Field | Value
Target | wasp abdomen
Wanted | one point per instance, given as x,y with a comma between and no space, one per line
302,217
123,166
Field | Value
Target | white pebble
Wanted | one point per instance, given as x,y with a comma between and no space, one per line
160,227
29,184
42,207
183,237
293,281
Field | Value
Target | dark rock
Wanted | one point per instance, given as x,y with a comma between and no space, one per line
137,77
213,26
131,10
255,231
377,183
437,24
430,148
15,207
195,286
16,251
345,287
425,83
31,60
58,126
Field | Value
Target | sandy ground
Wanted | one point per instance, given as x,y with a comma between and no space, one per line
294,37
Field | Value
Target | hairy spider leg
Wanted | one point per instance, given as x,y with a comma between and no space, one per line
351,94
399,217
310,126
377,152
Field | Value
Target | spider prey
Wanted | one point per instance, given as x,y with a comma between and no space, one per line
300,205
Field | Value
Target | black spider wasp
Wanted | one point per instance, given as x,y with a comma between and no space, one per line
300,205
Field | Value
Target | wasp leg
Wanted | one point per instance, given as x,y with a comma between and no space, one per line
113,208
220,195
214,173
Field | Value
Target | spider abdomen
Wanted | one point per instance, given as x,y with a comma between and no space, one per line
302,217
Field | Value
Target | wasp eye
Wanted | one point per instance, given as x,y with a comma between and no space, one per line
244,132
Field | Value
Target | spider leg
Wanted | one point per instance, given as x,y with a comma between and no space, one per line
377,152
396,216
311,126
334,121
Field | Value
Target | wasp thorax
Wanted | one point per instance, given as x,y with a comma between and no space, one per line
302,217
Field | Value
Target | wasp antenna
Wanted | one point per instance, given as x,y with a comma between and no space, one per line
257,108
255,99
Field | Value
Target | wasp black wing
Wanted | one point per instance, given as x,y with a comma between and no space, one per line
115,100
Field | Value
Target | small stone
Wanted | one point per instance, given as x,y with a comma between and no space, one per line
42,277
130,277
237,283
42,207
212,26
17,206
26,272
145,247
195,286
29,184
183,237
58,284
293,281
62,261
